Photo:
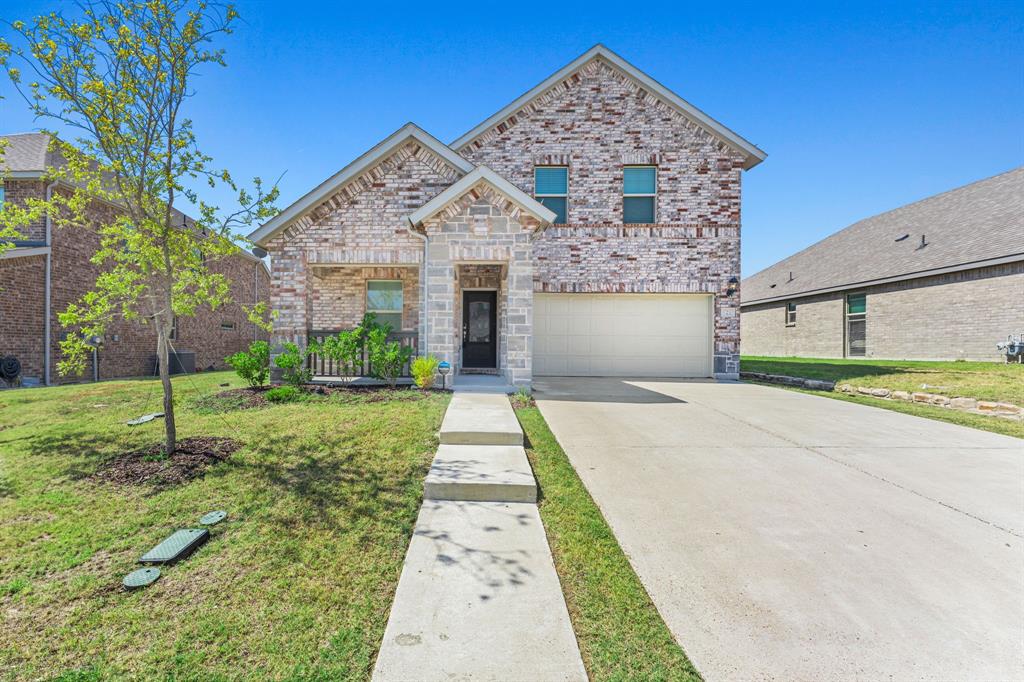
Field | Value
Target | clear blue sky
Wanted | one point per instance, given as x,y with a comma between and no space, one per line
861,108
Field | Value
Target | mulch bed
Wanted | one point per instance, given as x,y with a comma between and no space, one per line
149,466
249,397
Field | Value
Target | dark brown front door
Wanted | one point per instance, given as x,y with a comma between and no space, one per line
479,329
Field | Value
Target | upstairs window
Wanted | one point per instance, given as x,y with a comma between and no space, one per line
791,314
384,299
551,188
639,193
1,197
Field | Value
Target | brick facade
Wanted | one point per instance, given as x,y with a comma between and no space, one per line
596,122
944,317
129,345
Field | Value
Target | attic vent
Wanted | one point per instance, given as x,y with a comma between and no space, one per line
790,276
924,243
771,286
899,239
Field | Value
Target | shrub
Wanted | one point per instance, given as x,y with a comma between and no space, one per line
386,359
345,349
292,362
283,394
252,365
424,370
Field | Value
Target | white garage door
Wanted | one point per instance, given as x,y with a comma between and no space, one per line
654,335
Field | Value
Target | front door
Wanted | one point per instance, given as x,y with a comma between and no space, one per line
479,329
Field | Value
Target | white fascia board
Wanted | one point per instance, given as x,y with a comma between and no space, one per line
22,252
753,154
974,265
353,170
21,175
483,174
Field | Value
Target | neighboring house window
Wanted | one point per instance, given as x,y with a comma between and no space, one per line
791,314
639,193
174,329
1,197
384,298
856,325
227,325
551,188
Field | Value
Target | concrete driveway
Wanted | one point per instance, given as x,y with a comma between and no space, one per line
784,536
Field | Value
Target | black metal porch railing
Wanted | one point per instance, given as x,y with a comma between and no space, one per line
324,366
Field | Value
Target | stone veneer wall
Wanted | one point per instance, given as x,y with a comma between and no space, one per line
482,227
470,276
596,122
364,224
945,317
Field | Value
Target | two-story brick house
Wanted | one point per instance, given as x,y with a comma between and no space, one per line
589,228
49,268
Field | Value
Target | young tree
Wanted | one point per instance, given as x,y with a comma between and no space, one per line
120,75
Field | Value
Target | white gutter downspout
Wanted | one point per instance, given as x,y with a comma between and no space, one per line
256,299
46,289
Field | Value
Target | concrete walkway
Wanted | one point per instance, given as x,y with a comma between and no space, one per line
784,536
478,598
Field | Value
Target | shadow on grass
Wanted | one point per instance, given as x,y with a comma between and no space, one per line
828,371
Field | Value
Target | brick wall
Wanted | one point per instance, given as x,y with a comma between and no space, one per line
16,191
596,122
129,344
338,295
945,317
21,312
364,224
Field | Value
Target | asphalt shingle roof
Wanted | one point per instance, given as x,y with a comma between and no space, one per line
977,222
26,152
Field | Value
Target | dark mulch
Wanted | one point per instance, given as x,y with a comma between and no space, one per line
234,399
150,466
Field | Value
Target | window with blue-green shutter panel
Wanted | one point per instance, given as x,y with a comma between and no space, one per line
551,188
639,193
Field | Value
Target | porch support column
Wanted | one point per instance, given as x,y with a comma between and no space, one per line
289,296
518,291
440,306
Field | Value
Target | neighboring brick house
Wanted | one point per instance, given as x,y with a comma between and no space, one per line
28,296
591,227
939,279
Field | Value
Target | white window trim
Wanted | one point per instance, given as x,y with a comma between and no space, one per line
790,322
556,196
653,195
377,311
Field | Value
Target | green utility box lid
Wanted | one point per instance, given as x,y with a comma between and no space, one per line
140,578
177,546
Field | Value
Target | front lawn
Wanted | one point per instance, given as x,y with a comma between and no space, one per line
296,583
620,632
994,381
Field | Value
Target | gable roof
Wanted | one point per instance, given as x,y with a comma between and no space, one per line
331,185
971,226
752,154
482,174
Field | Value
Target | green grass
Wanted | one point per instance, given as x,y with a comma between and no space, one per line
295,584
983,380
620,633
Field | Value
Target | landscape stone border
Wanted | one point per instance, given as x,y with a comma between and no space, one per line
964,404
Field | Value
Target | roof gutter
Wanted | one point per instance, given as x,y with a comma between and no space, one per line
974,265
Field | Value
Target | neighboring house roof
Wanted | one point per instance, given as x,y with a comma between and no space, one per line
482,174
25,153
751,153
28,155
968,227
352,171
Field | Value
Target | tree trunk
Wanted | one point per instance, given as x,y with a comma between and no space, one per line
163,353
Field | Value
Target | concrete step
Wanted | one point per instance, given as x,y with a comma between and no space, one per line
478,599
480,419
483,473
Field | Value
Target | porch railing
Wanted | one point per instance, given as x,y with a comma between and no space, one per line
324,366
